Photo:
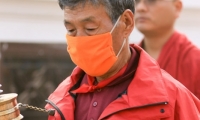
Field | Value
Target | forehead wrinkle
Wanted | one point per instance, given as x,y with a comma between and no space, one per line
77,15
88,19
81,7
70,15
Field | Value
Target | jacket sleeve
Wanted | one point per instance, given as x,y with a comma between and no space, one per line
52,118
62,102
187,106
56,116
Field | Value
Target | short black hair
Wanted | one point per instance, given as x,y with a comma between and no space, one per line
114,8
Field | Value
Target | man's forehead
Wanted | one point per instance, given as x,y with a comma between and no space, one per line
82,7
84,13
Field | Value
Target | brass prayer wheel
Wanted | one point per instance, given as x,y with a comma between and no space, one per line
9,109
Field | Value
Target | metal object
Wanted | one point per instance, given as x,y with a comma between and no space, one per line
50,112
9,109
32,107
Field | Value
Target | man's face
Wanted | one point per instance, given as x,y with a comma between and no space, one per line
155,15
90,20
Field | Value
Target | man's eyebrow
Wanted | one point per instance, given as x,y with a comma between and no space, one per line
88,19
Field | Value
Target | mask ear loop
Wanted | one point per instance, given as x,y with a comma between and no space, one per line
115,24
124,39
121,47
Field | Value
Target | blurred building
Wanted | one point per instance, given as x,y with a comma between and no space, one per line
33,57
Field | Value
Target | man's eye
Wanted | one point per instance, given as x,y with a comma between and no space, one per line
91,29
70,31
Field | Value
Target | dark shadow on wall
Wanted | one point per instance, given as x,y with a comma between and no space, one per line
33,71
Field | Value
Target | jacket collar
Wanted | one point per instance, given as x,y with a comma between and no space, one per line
147,83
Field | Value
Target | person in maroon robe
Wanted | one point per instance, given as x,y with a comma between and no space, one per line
173,51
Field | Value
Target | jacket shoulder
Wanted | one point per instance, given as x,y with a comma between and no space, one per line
61,90
171,83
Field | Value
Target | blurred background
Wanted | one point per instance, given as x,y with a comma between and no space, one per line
33,57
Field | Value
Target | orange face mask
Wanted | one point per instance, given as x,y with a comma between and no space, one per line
93,54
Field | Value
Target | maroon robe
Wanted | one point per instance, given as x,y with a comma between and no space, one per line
180,58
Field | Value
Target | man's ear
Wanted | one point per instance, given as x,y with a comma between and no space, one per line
178,5
128,22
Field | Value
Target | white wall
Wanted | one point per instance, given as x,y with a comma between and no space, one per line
41,21
191,3
35,21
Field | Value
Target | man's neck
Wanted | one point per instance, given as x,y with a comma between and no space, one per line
153,43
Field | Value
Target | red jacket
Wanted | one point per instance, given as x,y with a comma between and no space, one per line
152,95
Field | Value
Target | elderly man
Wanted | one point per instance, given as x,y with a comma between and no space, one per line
114,80
155,19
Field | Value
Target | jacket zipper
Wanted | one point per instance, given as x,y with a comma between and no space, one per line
153,104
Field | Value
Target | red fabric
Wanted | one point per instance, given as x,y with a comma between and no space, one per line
152,95
91,87
181,59
90,104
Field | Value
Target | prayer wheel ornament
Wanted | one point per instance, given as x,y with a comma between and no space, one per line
9,109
